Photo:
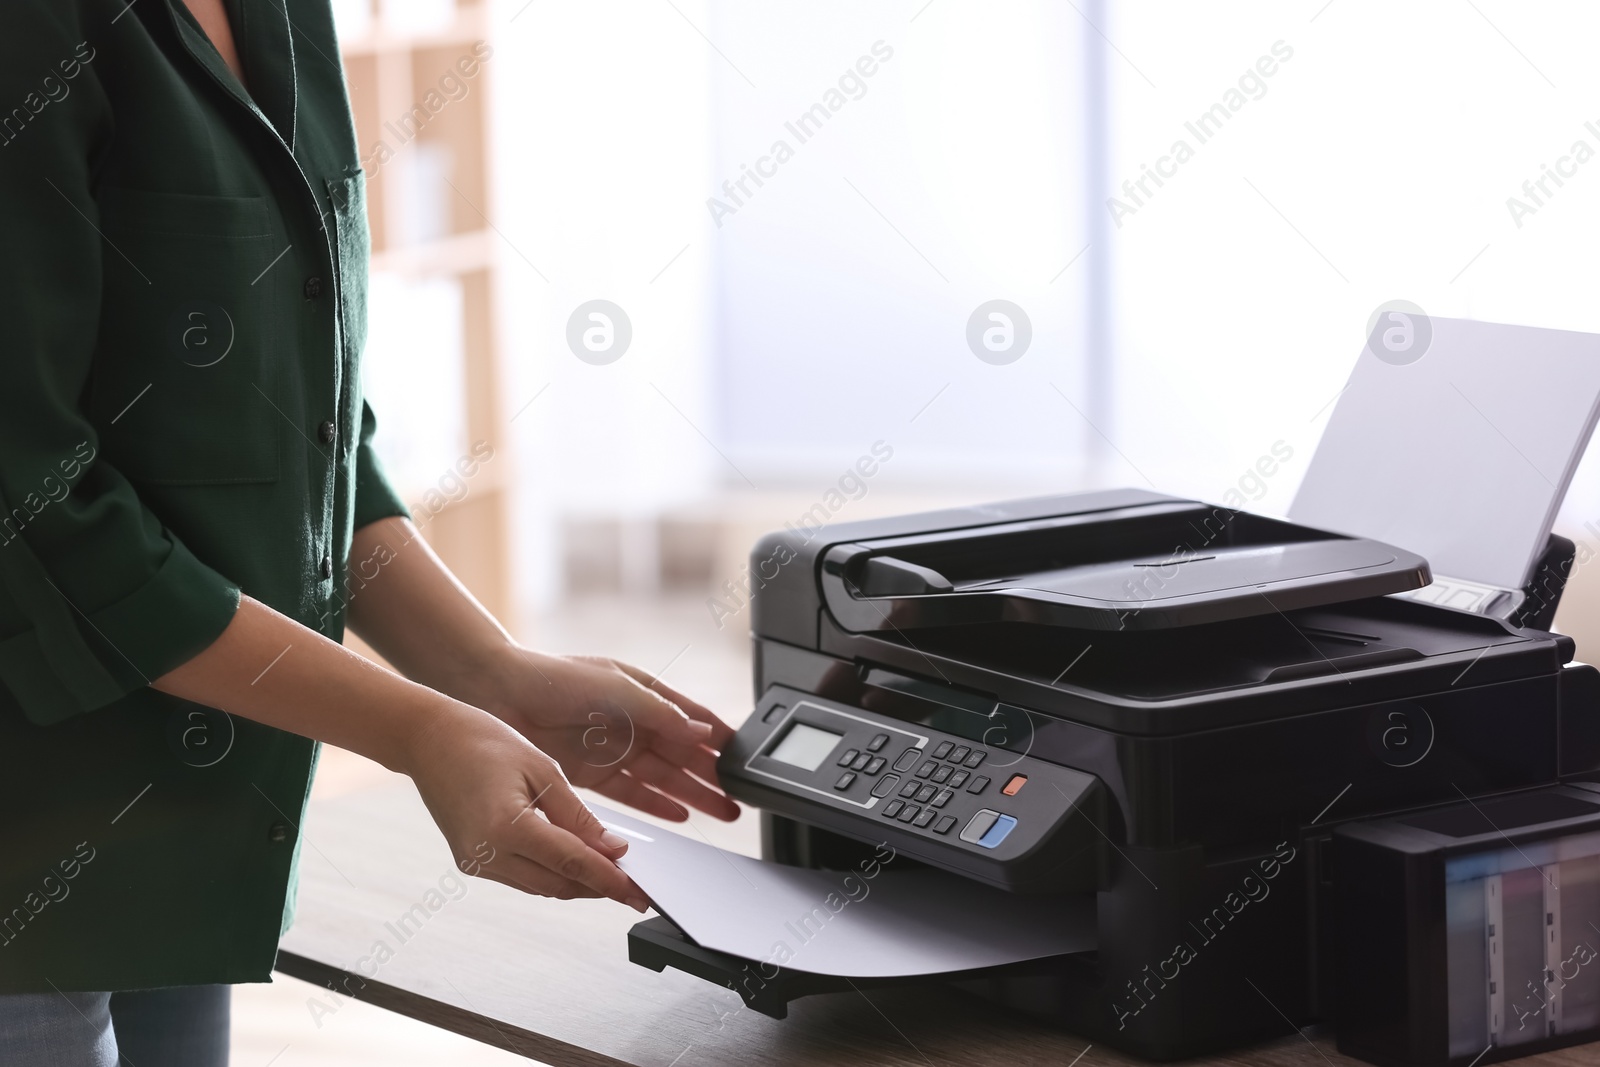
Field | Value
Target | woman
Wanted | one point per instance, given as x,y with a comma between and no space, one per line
186,478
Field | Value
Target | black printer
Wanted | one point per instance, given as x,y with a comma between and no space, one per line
1276,772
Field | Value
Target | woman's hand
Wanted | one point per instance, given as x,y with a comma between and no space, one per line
613,729
504,806
508,812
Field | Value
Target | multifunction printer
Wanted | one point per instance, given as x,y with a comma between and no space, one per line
1296,790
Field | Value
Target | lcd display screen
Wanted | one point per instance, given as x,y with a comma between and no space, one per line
805,746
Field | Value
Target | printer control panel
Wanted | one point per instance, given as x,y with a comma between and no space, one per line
988,813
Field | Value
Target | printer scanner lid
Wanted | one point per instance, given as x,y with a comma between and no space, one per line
1152,563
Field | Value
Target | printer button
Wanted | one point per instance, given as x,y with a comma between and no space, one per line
907,758
877,743
926,769
845,780
861,762
891,809
958,779
885,785
945,824
972,761
925,794
943,798
876,765
942,772
774,713
908,813
922,821
979,826
943,750
959,754
849,757
979,784
910,788
1003,825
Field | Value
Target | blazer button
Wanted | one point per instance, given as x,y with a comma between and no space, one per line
327,431
278,832
313,288
327,568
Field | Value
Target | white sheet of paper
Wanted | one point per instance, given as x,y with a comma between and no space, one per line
886,923
1462,456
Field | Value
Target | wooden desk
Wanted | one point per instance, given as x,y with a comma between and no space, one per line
551,979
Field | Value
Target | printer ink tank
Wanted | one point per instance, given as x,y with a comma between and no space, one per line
1469,933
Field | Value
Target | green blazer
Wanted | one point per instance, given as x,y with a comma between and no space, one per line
182,312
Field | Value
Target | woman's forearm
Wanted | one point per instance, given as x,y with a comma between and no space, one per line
415,613
269,668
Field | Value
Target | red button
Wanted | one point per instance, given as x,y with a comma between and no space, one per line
1013,787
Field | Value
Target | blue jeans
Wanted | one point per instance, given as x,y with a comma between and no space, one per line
181,1027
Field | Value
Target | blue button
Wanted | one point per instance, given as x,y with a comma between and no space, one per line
997,833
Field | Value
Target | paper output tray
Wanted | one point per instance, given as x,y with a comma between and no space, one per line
1146,567
657,944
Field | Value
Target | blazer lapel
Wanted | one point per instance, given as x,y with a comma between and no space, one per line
261,33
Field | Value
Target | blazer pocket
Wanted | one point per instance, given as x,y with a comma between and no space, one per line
187,371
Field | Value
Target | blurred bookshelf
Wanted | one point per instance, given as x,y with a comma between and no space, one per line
418,78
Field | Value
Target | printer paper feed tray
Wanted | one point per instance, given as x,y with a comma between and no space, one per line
1153,566
874,922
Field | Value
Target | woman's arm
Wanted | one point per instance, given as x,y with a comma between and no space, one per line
480,779
611,727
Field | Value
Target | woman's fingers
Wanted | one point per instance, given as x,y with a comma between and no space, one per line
574,844
696,759
519,872
719,734
671,780
624,788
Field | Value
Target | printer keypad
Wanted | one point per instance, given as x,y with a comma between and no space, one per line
921,783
